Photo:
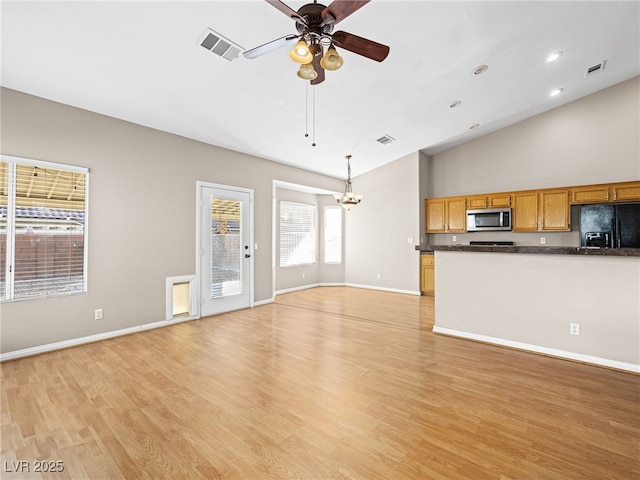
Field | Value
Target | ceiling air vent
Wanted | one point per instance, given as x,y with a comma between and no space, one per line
598,67
386,139
223,47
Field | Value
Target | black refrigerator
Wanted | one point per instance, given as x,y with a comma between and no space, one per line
610,226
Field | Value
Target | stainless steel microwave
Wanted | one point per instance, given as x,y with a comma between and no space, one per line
488,219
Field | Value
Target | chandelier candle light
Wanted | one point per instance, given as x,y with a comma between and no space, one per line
348,199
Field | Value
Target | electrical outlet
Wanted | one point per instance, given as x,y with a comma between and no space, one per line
303,275
98,314
574,328
453,238
378,276
410,240
543,240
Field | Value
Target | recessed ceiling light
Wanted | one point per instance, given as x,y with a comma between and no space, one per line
555,92
554,56
455,104
474,126
480,70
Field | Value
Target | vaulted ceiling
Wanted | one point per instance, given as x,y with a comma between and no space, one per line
143,62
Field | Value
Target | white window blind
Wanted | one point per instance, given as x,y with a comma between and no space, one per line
333,234
297,234
42,229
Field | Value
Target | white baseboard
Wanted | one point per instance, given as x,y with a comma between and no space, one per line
384,289
306,287
354,285
603,362
74,342
263,302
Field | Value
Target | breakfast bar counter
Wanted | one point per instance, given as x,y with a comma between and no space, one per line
613,252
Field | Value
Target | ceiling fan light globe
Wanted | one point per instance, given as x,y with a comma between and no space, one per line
301,53
331,60
307,72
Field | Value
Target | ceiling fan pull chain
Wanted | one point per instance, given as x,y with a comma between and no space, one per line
314,118
306,110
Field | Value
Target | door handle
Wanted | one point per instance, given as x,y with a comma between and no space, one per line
246,255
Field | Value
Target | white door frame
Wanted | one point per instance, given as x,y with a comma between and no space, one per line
199,246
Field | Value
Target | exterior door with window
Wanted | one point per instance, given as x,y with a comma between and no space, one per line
225,240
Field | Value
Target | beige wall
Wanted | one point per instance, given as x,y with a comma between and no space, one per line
377,230
591,140
142,214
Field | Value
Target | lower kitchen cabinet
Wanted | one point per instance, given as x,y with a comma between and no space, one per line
427,274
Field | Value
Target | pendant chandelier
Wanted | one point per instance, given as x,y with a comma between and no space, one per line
348,199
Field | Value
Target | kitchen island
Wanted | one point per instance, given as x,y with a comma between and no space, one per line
529,297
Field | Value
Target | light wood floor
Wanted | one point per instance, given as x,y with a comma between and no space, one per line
328,383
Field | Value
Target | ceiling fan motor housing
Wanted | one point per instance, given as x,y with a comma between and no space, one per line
312,13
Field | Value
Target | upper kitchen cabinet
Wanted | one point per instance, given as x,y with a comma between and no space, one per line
590,194
445,214
625,192
525,212
541,211
555,212
609,192
493,200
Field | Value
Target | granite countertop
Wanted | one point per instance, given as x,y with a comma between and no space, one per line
613,252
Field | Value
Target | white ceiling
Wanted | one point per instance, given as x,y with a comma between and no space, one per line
142,62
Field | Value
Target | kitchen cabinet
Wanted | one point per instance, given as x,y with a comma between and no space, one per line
494,200
555,213
590,194
427,274
541,211
500,200
625,192
445,214
609,192
525,212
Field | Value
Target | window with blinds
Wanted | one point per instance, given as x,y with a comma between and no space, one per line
297,234
43,213
333,234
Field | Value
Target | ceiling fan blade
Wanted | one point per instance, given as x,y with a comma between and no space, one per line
270,46
317,57
288,11
341,9
361,46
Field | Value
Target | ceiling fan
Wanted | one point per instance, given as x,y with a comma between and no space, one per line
315,23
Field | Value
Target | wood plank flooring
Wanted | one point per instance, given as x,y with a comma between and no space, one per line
327,383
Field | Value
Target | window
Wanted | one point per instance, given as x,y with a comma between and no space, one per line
42,229
333,234
297,234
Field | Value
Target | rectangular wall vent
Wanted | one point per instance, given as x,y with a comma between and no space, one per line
386,139
223,47
598,67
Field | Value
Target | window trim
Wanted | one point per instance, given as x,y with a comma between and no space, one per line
12,162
